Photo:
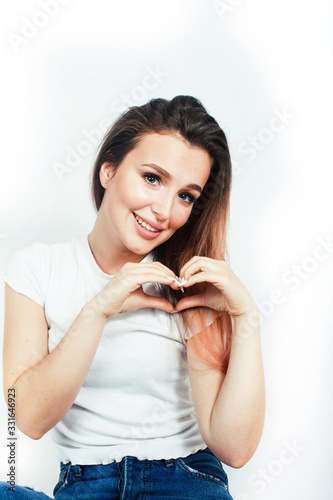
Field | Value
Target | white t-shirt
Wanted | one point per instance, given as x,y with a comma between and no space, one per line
136,399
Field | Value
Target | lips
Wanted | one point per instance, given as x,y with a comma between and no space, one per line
151,223
143,231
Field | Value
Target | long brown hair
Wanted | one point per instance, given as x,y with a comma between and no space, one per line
204,233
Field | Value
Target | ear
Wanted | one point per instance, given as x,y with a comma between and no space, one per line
106,172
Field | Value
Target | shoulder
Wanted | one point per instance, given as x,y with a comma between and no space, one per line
33,254
33,269
37,261
40,252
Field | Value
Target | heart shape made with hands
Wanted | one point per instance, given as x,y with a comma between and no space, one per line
209,296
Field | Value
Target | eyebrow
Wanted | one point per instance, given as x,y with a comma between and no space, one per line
167,175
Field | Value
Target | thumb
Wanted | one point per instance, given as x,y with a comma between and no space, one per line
192,301
156,303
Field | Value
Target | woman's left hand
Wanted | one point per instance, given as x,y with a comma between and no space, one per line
223,290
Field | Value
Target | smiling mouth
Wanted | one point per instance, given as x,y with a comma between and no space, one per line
146,225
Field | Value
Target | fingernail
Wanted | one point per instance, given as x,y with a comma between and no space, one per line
176,281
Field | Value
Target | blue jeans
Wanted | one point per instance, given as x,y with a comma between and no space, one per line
197,476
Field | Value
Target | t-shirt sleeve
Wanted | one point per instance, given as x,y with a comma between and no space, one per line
26,272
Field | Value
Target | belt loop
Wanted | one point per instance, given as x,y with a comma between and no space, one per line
76,470
169,462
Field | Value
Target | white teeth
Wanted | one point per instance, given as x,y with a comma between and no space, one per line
144,224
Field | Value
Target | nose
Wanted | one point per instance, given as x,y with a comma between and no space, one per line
162,205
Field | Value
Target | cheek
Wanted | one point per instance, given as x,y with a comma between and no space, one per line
180,218
120,197
131,192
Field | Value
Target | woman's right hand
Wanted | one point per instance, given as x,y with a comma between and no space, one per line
124,292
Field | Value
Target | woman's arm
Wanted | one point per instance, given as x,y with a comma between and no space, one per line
237,418
45,391
230,408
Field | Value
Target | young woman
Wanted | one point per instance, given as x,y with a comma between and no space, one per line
137,344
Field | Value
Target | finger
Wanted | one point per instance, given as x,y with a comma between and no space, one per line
202,277
186,266
133,283
159,265
196,265
156,303
146,268
192,301
152,277
175,286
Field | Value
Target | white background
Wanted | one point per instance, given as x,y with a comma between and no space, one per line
248,62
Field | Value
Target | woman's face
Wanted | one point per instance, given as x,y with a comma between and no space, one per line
157,182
